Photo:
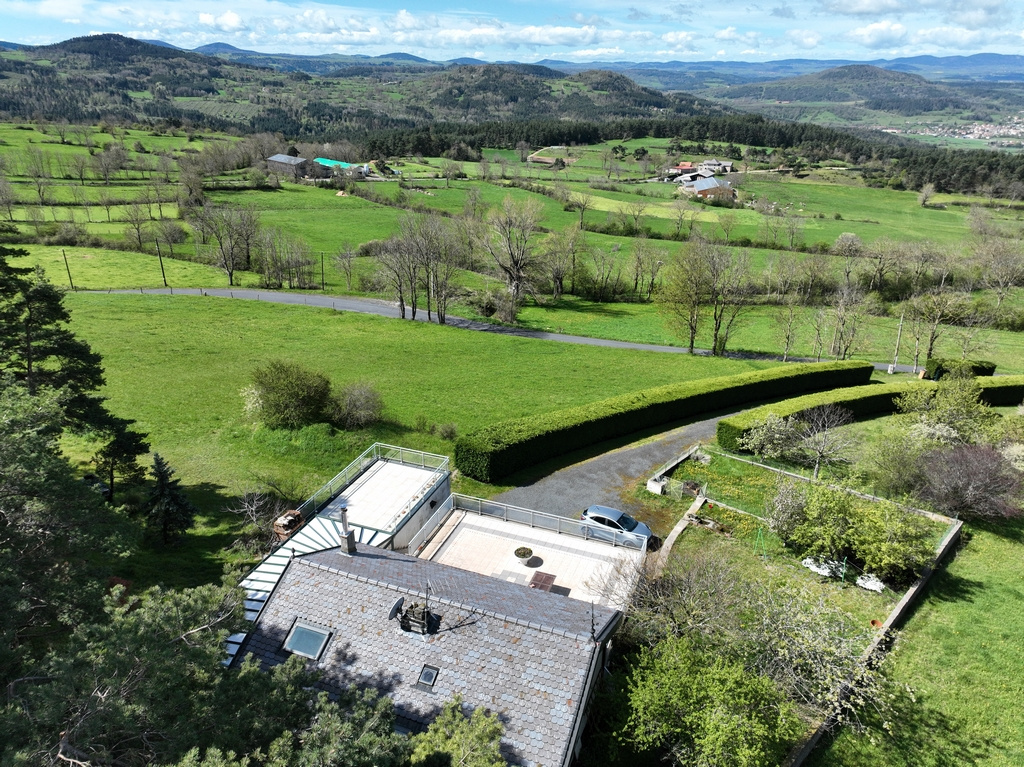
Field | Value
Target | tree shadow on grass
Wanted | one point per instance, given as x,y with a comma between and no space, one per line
947,587
1011,529
920,735
198,557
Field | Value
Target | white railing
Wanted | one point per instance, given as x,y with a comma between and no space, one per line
431,526
544,521
376,452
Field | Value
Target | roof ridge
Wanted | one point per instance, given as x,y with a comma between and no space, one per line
537,625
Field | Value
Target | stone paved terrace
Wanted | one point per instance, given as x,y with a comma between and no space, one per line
587,570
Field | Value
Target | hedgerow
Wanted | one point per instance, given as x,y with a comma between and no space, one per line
863,401
500,449
1002,391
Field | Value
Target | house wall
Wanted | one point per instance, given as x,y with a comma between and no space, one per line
415,521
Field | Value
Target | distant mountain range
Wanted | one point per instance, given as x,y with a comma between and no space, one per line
664,75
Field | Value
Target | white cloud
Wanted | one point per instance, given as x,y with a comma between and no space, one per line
955,37
679,39
881,34
229,21
804,38
730,33
865,7
598,53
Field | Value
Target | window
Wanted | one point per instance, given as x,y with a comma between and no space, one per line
306,640
428,676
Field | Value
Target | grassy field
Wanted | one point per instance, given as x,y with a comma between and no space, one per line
757,332
961,653
177,365
102,269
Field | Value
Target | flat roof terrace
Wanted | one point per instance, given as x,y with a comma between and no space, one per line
381,495
562,563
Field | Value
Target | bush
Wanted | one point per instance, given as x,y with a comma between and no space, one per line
880,538
496,451
936,368
448,431
358,405
860,400
285,395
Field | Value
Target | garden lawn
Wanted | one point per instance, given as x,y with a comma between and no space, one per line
962,653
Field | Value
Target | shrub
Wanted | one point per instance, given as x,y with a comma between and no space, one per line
500,449
935,368
448,431
358,405
285,395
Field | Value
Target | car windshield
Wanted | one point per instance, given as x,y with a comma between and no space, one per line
627,523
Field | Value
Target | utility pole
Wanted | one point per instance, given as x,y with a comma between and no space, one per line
66,266
160,256
899,335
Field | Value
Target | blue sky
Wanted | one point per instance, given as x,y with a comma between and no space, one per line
529,30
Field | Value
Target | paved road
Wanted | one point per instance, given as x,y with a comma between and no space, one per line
388,309
605,478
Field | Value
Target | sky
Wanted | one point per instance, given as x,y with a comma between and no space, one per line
531,30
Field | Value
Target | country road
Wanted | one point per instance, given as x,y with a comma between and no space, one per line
389,309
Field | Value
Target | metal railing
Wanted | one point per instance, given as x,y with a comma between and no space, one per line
544,521
376,452
432,525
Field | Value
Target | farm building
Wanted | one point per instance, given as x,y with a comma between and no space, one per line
287,165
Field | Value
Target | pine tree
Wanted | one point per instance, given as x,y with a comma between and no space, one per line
169,509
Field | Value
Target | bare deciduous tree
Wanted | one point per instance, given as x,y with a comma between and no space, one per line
344,260
970,481
508,244
820,436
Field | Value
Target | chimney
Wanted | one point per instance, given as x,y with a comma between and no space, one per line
348,535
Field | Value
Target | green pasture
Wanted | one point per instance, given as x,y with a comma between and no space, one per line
101,269
321,218
177,365
757,331
961,654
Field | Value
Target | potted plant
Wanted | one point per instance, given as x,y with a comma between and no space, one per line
524,554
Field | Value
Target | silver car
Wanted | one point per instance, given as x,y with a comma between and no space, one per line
608,524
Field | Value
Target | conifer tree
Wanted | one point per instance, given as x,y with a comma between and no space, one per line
169,509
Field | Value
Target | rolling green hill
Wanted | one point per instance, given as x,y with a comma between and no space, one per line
108,76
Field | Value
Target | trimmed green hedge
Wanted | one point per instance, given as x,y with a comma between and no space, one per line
498,450
1002,391
862,400
936,367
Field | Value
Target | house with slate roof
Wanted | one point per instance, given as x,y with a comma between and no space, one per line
390,581
531,656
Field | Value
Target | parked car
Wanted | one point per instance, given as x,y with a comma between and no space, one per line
603,522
